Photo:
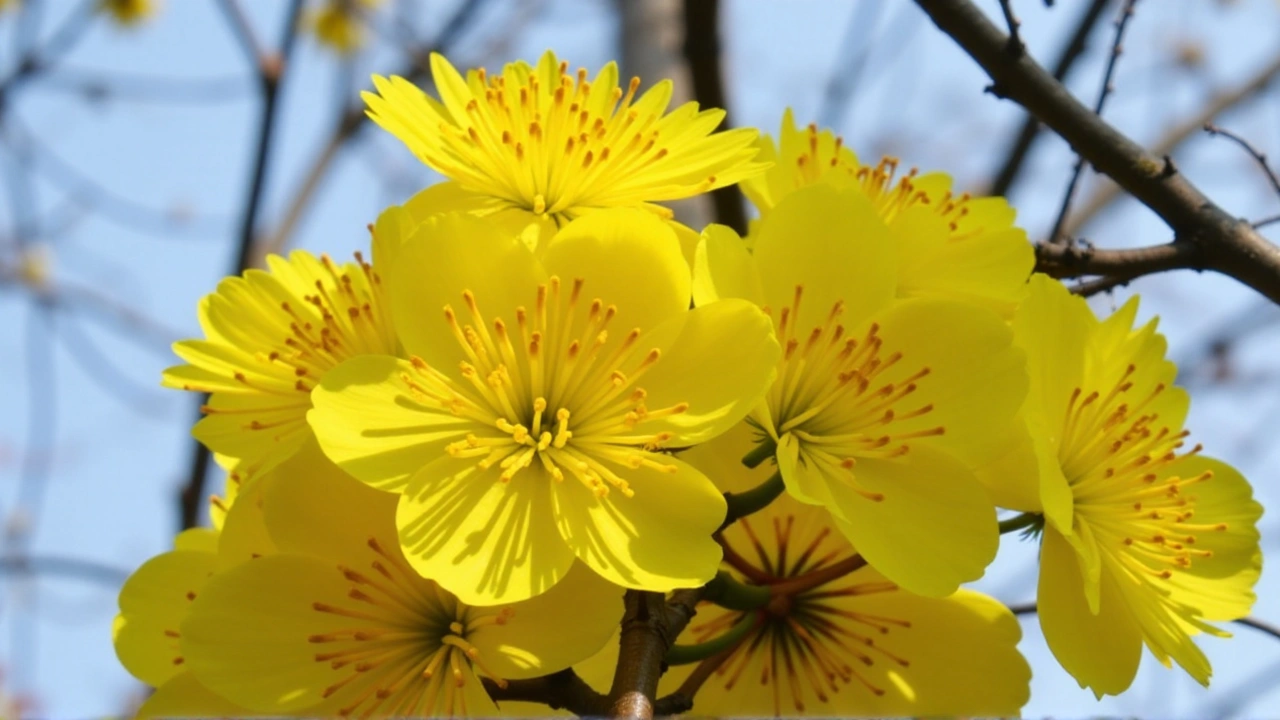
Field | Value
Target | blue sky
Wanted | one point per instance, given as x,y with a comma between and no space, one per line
178,165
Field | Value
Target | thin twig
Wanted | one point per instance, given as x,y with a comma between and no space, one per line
272,72
67,567
1015,45
1258,156
1108,192
243,30
1016,155
1104,92
1252,622
1222,242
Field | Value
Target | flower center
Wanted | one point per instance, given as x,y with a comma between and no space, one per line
844,397
554,150
818,643
1116,456
407,652
557,393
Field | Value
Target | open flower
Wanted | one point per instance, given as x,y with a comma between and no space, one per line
1145,540
336,623
540,145
954,246
528,428
269,338
341,24
883,406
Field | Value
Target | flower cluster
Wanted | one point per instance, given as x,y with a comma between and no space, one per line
449,462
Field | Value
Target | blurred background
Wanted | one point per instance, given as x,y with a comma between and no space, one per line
142,158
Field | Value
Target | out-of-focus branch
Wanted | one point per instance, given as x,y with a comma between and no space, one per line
1018,152
66,567
1252,622
702,51
1107,193
351,121
1258,156
271,71
1218,241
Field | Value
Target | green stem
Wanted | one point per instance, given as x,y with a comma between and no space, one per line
727,592
754,500
762,452
1018,522
686,654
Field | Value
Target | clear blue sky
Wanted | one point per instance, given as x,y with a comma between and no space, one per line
111,495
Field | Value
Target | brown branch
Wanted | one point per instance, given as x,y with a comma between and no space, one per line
1108,86
1223,243
1104,196
702,52
1258,156
1017,154
271,71
563,690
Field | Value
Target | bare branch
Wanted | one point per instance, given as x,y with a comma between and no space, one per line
1103,93
1223,243
67,567
1257,155
1017,154
1015,45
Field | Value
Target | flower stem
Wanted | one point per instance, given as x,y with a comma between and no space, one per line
727,592
686,654
754,500
762,452
1018,522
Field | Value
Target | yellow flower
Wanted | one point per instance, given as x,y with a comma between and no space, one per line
1146,540
336,623
953,246
340,24
129,12
538,145
884,406
849,644
158,595
527,430
269,338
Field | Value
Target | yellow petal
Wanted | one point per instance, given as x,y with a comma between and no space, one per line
484,540
721,459
835,246
182,696
447,255
934,528
565,625
368,421
659,539
244,532
533,230
153,603
722,268
720,360
198,539
628,258
1100,650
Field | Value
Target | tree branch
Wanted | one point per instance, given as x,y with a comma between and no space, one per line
702,51
1223,243
1017,154
271,71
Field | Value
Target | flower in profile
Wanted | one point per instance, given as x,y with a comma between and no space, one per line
529,426
538,145
884,407
269,338
949,245
1146,540
129,12
341,24
336,623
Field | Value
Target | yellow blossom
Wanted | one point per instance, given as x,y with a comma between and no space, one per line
269,338
340,24
884,407
336,623
529,425
129,12
955,246
1146,540
540,146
